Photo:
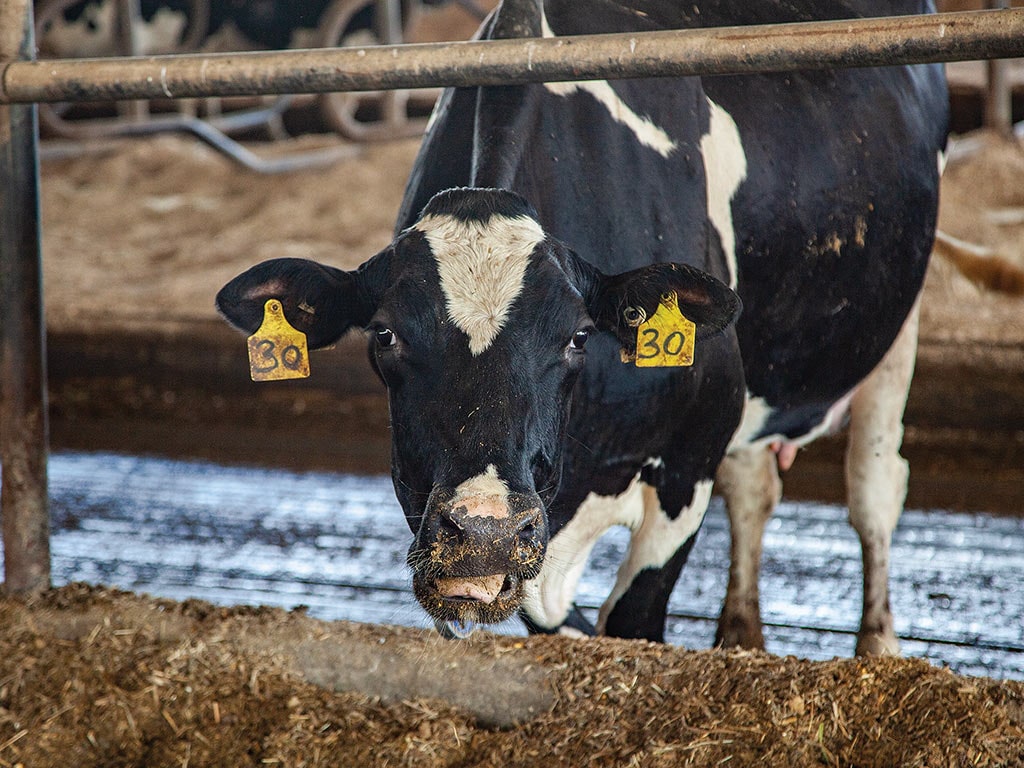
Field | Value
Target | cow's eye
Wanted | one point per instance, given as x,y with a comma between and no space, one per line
385,337
579,339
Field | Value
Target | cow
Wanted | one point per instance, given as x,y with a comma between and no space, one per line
545,228
89,27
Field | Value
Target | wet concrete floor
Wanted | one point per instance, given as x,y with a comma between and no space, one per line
336,543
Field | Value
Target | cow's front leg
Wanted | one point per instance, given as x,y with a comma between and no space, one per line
876,479
548,606
748,480
658,549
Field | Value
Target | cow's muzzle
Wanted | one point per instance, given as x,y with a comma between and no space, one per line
472,555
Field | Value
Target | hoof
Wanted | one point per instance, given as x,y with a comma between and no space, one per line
877,644
738,631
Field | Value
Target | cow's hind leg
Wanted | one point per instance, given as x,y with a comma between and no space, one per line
658,549
748,480
876,477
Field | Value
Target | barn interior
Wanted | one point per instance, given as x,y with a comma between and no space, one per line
176,478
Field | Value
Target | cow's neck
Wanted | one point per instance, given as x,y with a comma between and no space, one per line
500,136
518,18
572,17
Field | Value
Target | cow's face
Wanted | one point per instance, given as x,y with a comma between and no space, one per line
478,325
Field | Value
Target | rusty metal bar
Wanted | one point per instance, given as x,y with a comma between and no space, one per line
998,95
727,50
23,417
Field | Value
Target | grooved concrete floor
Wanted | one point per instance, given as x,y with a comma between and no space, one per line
336,543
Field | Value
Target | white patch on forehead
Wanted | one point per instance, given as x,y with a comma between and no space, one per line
482,265
646,132
725,168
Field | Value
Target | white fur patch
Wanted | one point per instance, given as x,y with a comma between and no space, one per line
656,539
488,490
482,265
646,132
549,597
94,33
725,168
756,413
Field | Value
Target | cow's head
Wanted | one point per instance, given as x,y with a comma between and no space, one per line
478,325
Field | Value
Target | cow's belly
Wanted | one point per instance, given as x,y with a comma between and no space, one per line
763,425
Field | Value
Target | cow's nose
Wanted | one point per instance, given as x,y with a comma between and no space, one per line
478,535
474,552
488,527
468,519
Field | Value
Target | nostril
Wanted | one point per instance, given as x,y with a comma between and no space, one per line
532,524
528,532
508,585
448,525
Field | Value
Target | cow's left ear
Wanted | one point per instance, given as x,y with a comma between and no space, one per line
619,303
321,301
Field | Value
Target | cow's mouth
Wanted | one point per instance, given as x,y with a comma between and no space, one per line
468,601
475,546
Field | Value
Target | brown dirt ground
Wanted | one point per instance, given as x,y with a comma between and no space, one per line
92,677
147,231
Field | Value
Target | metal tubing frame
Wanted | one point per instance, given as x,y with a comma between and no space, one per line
23,416
998,92
726,50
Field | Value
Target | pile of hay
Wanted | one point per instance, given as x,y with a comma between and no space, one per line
95,677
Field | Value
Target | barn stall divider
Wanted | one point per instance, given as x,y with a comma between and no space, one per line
947,37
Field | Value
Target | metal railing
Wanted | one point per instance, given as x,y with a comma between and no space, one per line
727,50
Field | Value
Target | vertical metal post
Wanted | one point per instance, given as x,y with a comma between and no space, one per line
388,15
129,20
998,96
23,416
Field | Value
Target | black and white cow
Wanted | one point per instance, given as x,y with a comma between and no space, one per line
503,329
89,27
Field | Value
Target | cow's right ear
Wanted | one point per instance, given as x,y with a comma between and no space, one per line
323,302
620,303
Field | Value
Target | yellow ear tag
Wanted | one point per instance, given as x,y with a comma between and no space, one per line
277,351
665,340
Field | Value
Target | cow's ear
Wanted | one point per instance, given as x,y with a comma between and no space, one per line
321,301
619,303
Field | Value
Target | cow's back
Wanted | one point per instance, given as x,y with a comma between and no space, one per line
832,223
835,220
613,168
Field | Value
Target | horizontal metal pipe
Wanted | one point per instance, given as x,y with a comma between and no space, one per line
724,50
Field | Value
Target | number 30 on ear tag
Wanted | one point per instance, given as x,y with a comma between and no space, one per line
666,339
277,351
